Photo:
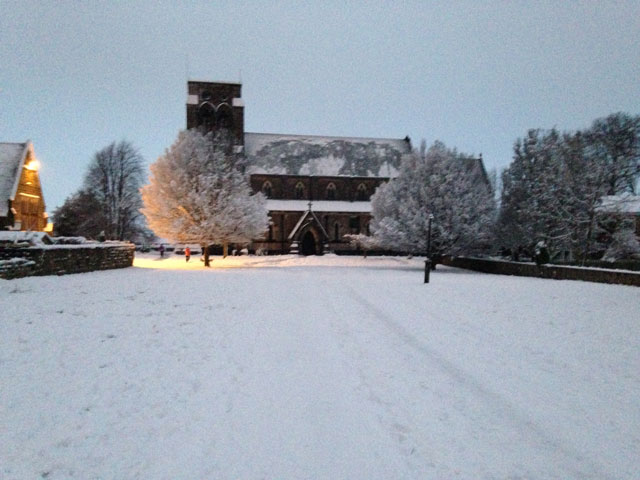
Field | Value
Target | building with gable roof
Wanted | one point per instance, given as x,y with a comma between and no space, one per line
22,204
626,206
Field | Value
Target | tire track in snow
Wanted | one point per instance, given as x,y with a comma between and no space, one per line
566,456
399,434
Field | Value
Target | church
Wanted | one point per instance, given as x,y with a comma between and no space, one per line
318,188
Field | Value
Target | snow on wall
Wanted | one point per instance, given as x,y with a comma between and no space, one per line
32,238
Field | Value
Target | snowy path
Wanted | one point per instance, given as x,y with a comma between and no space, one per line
353,369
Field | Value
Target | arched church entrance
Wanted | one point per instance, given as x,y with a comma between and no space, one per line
308,245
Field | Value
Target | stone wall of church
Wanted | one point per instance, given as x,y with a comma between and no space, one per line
336,226
291,187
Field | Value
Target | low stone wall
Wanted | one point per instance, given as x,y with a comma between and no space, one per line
64,259
556,272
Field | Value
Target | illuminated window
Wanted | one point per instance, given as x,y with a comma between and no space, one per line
299,190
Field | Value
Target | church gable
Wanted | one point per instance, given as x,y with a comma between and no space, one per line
327,156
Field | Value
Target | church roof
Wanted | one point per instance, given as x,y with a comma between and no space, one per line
12,156
323,155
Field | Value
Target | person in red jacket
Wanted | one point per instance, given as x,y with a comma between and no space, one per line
187,253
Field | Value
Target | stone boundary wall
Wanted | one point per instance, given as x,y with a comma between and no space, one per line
556,272
64,259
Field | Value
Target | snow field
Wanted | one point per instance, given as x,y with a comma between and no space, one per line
317,367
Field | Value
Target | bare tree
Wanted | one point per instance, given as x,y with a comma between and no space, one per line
114,178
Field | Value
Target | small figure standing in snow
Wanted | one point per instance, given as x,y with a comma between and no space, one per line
161,249
187,254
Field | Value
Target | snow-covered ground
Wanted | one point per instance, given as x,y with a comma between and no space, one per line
316,368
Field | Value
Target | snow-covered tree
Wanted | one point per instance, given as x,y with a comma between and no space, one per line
197,194
614,144
362,241
446,184
553,187
535,193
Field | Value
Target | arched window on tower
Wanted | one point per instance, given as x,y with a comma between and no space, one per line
361,192
336,231
266,189
224,118
331,191
299,190
206,115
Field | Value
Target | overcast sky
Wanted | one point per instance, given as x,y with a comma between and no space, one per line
75,76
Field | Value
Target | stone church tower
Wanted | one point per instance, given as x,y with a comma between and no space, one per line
213,105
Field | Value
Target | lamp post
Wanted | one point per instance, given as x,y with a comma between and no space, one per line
427,262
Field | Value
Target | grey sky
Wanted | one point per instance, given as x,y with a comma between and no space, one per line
75,76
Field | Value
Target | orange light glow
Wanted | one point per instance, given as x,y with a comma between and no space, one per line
33,165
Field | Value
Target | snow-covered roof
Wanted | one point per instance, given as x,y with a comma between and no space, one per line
620,204
12,156
318,206
324,155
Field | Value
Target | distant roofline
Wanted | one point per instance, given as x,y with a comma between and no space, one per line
336,137
212,82
327,177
